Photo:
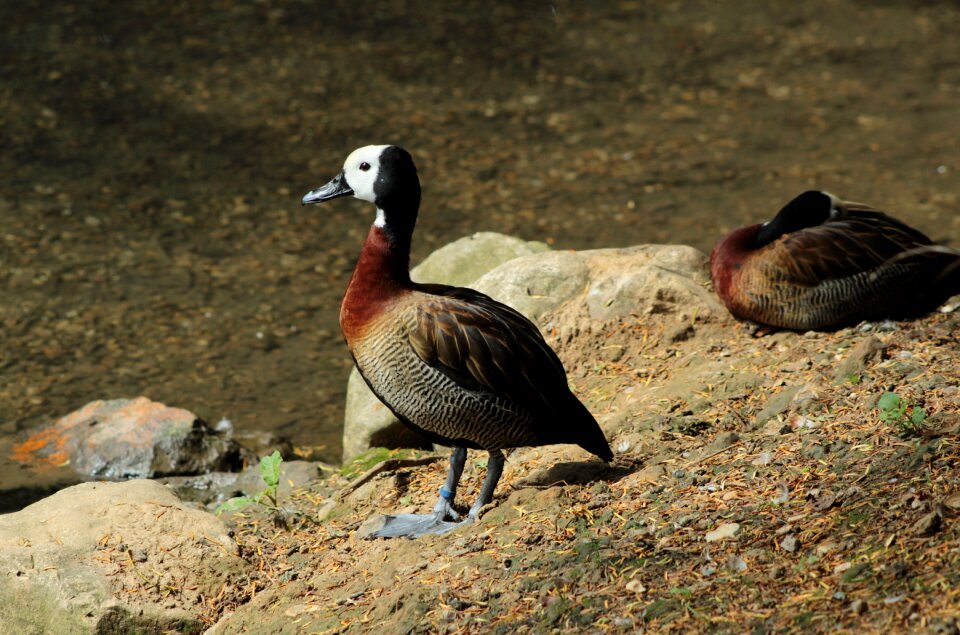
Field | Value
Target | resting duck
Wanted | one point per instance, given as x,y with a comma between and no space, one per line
459,367
824,263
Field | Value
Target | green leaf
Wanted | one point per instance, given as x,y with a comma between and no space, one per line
888,402
234,504
918,416
270,469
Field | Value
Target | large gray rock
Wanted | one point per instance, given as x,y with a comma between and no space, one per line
466,259
597,285
367,422
111,558
649,279
605,284
539,283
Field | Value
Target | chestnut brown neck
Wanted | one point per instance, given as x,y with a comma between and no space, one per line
728,256
382,275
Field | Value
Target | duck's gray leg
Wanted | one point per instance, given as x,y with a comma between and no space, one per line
414,525
494,470
444,506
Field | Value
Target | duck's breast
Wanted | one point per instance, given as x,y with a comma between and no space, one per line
425,397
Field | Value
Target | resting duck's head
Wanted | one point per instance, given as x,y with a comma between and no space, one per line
382,175
809,209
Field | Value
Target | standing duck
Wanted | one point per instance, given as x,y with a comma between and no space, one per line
824,263
452,363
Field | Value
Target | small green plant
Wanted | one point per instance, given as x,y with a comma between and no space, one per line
270,473
893,411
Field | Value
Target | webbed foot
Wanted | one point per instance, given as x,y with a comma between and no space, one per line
411,526
437,523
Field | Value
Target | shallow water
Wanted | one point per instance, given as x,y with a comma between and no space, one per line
153,161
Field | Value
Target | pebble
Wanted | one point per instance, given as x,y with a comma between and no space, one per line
799,422
858,607
725,440
840,568
825,547
735,563
825,501
789,543
783,494
723,532
763,459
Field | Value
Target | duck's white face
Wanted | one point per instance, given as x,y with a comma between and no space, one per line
382,175
361,170
358,177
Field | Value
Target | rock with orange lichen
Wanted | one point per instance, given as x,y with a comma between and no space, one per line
129,438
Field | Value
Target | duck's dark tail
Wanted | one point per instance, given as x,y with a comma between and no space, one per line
588,434
943,281
949,279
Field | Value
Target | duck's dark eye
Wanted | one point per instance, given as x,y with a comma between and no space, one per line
364,166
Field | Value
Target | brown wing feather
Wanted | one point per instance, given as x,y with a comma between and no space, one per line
862,240
490,348
487,346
